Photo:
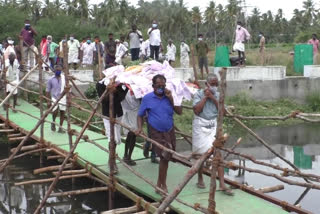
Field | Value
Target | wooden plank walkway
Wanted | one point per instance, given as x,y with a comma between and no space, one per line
241,202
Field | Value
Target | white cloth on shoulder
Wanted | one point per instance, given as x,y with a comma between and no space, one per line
203,134
63,102
239,46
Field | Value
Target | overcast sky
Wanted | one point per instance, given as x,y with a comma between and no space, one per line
264,5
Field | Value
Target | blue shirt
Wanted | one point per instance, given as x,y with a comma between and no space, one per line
210,110
54,87
160,111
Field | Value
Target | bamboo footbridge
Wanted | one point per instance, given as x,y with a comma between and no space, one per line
82,148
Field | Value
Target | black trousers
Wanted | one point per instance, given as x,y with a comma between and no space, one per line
154,52
135,53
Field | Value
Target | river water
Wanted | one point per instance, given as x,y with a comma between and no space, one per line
297,143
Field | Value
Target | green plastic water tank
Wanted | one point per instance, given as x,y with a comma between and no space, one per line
222,57
303,55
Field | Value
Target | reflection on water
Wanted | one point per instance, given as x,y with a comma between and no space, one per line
26,198
299,144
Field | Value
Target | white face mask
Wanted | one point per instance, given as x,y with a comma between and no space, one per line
154,25
213,89
238,26
200,39
71,38
10,42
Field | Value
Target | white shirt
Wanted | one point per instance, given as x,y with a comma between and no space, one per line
171,52
73,46
13,71
134,39
184,50
121,50
154,37
145,46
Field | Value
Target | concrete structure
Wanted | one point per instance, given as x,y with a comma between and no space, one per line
312,71
254,73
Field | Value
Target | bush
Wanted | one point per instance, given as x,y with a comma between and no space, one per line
91,92
313,100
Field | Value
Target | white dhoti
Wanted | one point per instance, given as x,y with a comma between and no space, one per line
203,134
117,129
185,62
239,46
62,104
73,57
10,87
130,119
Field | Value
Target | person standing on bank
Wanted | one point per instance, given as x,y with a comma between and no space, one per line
262,45
134,37
155,41
202,49
160,108
184,55
242,35
12,76
171,52
315,45
55,87
28,34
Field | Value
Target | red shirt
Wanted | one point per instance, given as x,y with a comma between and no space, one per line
27,37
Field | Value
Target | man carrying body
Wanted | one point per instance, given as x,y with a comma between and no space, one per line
130,106
160,109
155,41
12,77
202,51
118,97
28,33
262,44
184,55
315,44
55,87
242,35
134,39
74,52
171,52
205,108
110,49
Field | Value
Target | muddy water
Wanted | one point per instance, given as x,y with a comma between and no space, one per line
299,143
26,198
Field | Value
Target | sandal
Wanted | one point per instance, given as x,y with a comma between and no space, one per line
201,186
227,192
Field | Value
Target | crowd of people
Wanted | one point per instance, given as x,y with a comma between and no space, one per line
156,109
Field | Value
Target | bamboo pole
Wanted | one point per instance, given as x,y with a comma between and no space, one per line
74,146
99,61
41,98
233,148
50,168
24,64
31,132
78,192
71,172
219,135
14,135
15,139
27,148
280,178
15,87
24,154
53,157
271,189
7,130
286,171
263,142
46,180
193,61
81,94
112,148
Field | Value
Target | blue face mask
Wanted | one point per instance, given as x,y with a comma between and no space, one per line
160,91
154,25
88,41
58,73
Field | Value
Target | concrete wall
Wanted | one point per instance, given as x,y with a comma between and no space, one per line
296,88
312,71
